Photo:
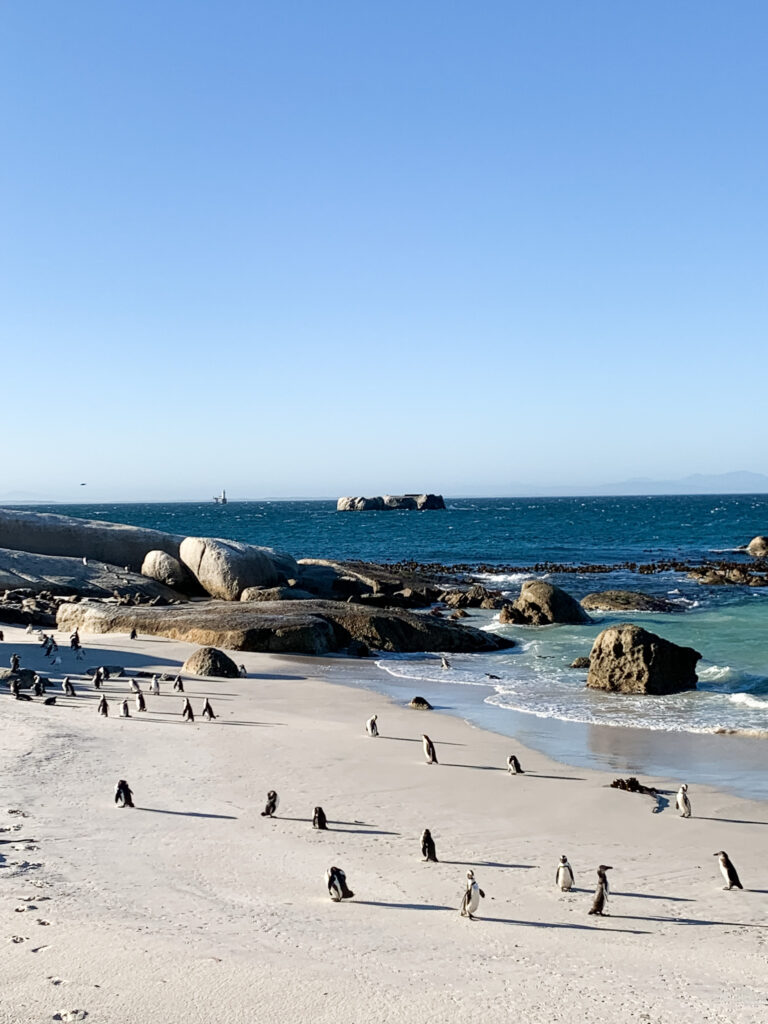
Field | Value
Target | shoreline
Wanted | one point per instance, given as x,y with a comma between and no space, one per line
195,908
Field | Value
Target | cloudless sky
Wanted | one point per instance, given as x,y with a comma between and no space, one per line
319,248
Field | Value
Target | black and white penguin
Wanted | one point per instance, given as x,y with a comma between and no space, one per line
178,684
103,707
428,851
141,704
564,875
97,679
728,871
14,688
49,700
319,819
124,712
371,727
430,755
682,802
123,794
37,686
15,663
186,712
155,686
135,686
133,634
472,896
273,801
600,901
444,663
208,710
336,880
513,765
243,671
67,687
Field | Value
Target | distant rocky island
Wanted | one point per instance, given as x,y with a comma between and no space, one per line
407,502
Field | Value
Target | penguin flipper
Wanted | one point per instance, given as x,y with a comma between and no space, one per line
481,892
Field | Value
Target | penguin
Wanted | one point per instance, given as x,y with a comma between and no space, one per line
319,820
67,687
429,749
490,675
178,685
49,700
444,663
186,712
14,663
123,794
728,871
208,710
336,881
564,875
141,704
133,634
97,679
242,671
682,802
272,804
124,712
14,688
371,727
135,686
600,902
513,765
155,686
428,846
471,899
37,686
103,707
104,674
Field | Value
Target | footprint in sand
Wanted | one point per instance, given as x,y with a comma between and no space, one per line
38,949
17,938
55,981
71,1015
41,921
15,810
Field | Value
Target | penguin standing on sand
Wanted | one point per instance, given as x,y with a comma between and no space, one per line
178,685
123,794
682,802
186,712
37,686
208,710
135,686
141,704
67,687
430,755
273,801
513,765
600,902
124,712
97,679
336,881
155,686
471,899
428,851
564,875
319,820
103,707
370,726
133,634
14,663
728,871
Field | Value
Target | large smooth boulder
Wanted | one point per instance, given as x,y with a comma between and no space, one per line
629,659
225,568
542,604
209,661
58,575
627,601
45,533
758,547
296,627
160,566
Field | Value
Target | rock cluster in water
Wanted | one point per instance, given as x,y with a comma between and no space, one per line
407,502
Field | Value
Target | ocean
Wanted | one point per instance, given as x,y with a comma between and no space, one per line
727,624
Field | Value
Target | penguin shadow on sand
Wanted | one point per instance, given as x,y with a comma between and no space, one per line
404,906
489,864
558,925
359,828
186,814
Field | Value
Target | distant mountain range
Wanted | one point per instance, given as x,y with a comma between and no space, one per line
738,482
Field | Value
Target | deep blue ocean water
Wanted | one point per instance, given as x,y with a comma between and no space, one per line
726,624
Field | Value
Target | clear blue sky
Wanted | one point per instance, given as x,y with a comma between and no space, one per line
312,248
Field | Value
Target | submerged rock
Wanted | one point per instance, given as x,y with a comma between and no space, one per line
629,659
420,704
580,663
627,601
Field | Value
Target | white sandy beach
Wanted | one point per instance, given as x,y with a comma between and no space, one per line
193,908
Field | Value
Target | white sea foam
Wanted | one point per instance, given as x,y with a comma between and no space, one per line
747,700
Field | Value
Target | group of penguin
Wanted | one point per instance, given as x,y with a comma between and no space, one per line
336,879
101,675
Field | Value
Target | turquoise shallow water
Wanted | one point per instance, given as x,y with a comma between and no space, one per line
726,624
